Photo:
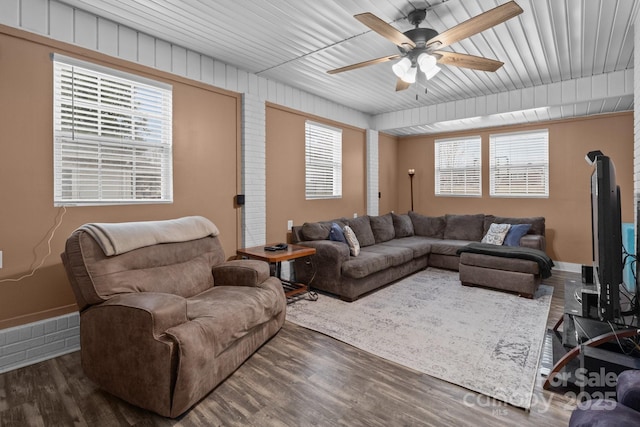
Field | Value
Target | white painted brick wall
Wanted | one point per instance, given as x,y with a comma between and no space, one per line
373,203
34,342
254,147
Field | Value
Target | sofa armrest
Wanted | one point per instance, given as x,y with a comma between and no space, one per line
628,389
154,312
126,349
336,251
327,261
534,241
242,272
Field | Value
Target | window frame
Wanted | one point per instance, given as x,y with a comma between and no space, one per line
112,136
541,161
317,136
467,182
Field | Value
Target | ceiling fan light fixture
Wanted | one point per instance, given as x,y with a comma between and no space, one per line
432,72
410,75
401,67
426,62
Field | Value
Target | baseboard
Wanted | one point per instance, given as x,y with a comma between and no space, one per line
34,342
570,267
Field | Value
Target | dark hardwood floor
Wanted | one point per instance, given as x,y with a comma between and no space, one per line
298,378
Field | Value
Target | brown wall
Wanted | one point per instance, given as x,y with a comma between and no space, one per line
567,210
206,168
205,149
388,179
286,173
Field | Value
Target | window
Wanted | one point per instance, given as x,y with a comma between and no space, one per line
519,164
458,166
323,161
112,136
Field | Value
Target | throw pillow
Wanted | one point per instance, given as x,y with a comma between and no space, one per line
402,225
515,233
352,241
496,234
382,228
336,233
537,223
428,226
362,228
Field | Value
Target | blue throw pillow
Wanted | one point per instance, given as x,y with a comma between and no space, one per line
336,233
515,233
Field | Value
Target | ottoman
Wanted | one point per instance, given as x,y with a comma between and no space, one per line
520,276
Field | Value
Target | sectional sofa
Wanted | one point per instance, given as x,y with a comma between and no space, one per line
393,246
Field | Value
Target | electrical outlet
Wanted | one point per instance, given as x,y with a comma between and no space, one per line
289,224
355,214
0,259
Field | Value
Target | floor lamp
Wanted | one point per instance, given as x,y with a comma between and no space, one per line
411,173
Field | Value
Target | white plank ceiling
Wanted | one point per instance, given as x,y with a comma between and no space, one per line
297,41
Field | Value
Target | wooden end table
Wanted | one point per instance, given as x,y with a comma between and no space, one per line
276,257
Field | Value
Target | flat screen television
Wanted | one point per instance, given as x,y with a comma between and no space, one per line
607,238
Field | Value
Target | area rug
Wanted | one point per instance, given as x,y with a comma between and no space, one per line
481,339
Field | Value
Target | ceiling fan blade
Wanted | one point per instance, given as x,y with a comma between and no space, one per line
363,64
384,29
402,85
475,25
467,61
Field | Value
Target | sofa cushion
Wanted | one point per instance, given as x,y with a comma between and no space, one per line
420,246
515,234
226,313
397,255
315,230
402,225
448,247
382,228
142,270
365,264
464,227
429,226
537,222
352,241
362,228
496,234
499,263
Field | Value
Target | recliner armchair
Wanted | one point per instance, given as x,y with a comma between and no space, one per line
163,318
625,412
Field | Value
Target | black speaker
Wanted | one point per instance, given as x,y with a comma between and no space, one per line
239,199
587,274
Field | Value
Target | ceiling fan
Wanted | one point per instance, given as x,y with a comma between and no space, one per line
419,47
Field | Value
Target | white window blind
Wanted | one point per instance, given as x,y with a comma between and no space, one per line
112,136
323,161
458,167
519,164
